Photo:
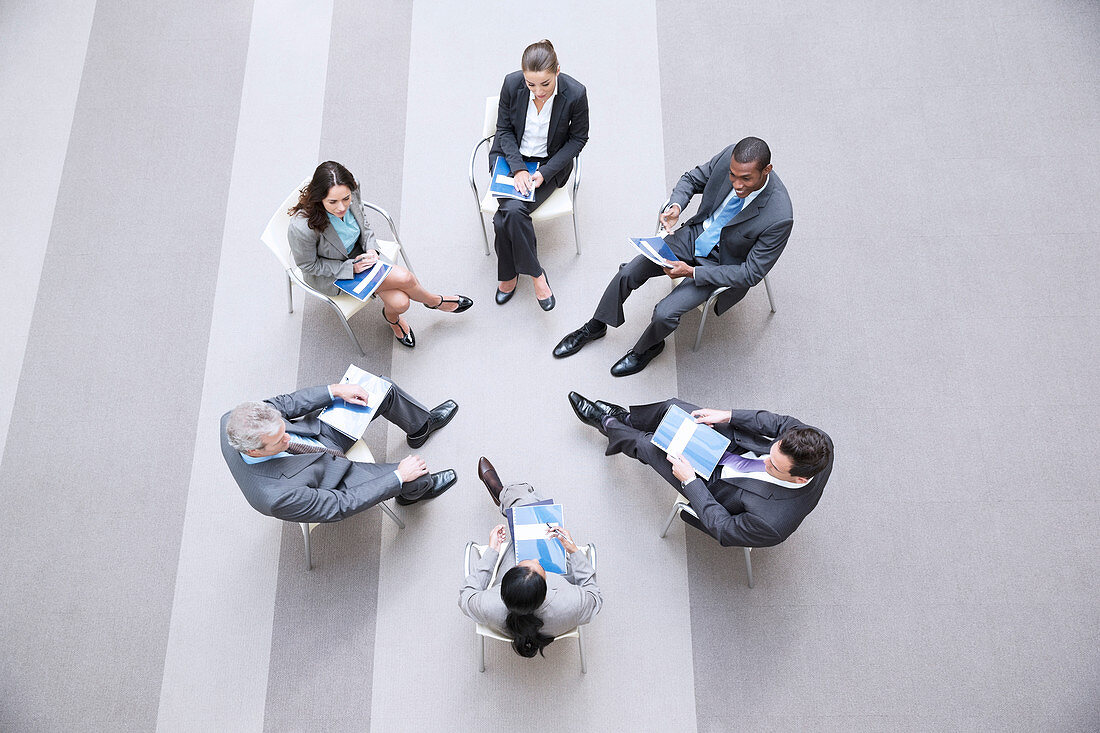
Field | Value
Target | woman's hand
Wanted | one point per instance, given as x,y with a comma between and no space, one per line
563,536
522,181
365,261
536,180
498,537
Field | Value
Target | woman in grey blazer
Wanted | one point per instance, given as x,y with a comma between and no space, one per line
331,240
524,601
543,117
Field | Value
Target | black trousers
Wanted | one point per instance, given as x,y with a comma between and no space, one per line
666,314
517,251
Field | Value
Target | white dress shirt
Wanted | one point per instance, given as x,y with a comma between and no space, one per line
537,127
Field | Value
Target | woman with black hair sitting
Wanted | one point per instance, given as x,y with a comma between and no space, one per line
525,601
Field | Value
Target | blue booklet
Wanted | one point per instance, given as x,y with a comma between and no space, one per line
363,285
701,445
349,419
655,249
502,186
528,527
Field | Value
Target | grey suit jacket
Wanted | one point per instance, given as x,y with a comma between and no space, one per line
567,604
321,255
568,126
752,242
312,487
746,512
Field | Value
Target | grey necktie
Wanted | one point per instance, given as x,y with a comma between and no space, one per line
300,448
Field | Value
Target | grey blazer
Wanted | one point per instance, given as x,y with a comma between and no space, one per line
312,487
567,605
568,126
321,255
752,242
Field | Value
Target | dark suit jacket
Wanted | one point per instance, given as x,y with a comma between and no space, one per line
745,512
311,487
568,126
752,242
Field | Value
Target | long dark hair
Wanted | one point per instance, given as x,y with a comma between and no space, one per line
328,174
523,590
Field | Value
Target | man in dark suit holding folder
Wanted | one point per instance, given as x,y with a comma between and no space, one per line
743,223
769,479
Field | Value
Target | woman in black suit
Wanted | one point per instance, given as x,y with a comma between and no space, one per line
543,116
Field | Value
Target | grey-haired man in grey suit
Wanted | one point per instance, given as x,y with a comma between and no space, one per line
291,465
743,223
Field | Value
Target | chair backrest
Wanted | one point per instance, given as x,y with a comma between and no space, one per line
491,105
274,235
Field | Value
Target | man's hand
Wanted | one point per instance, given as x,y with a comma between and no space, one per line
411,468
563,536
498,536
709,416
670,216
522,181
352,393
680,269
681,469
365,261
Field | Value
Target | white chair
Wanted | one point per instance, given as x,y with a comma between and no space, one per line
713,296
682,507
345,306
359,453
560,203
483,632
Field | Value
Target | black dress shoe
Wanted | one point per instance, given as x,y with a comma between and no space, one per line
573,342
633,363
586,410
503,297
610,409
463,302
440,482
549,303
488,476
437,418
406,338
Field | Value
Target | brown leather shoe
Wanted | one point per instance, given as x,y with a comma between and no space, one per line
488,476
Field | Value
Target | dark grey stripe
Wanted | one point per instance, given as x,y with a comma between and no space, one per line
323,635
98,457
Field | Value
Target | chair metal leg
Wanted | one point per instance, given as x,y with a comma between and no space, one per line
576,235
305,537
289,295
485,236
481,651
703,320
347,327
394,517
671,516
748,562
580,642
768,290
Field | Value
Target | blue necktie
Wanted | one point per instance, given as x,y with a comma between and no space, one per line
742,464
708,240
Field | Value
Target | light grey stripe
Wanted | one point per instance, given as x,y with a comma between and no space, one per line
99,448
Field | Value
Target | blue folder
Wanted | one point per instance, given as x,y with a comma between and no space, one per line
363,285
655,249
507,190
527,525
704,447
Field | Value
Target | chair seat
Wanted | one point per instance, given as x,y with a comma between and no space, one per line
360,453
559,204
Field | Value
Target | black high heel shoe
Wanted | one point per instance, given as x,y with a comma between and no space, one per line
463,302
406,338
547,304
